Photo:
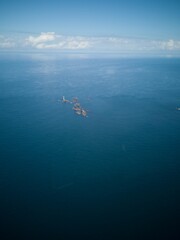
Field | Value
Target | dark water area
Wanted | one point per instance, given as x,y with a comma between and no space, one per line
112,175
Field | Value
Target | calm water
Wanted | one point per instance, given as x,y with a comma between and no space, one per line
113,175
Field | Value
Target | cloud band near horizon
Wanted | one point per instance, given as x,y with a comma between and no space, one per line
53,41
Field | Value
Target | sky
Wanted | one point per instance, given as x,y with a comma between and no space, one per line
123,26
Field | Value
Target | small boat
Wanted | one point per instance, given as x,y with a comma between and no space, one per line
84,113
65,100
75,100
78,112
77,105
76,109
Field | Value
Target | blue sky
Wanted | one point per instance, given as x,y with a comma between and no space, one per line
96,25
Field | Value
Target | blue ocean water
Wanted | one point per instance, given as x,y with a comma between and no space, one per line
112,175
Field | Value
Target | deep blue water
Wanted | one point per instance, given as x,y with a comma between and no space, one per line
113,175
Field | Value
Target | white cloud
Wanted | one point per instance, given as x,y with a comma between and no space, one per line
170,45
6,42
42,38
144,44
50,40
77,44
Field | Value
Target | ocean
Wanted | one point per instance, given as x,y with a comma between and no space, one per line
112,175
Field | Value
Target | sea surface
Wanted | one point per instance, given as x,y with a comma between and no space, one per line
113,175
